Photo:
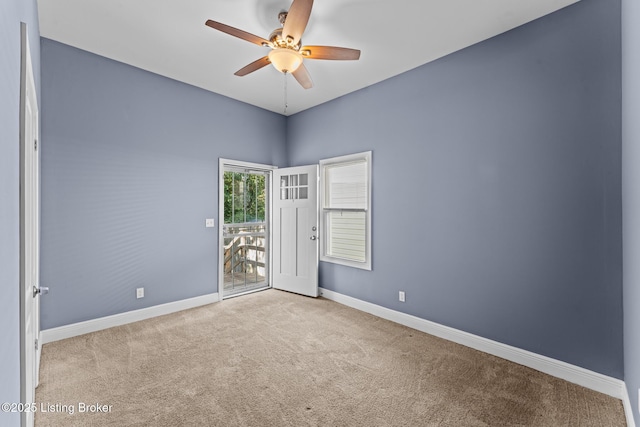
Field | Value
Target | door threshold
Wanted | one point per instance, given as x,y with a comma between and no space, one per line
250,291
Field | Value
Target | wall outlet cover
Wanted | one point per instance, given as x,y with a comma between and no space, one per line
209,222
140,293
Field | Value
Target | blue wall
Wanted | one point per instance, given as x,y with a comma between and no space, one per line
129,174
496,187
506,156
12,12
631,195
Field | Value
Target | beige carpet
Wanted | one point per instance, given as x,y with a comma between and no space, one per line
278,359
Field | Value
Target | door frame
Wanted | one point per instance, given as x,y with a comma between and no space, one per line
29,228
222,163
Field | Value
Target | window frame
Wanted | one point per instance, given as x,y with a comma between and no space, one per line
324,211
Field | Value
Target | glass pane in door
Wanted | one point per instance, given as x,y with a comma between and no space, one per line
245,232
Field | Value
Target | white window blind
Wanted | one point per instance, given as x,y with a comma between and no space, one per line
346,191
347,235
346,186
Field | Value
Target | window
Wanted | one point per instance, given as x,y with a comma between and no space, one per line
294,187
345,191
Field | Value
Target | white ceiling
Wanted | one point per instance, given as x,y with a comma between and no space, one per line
169,37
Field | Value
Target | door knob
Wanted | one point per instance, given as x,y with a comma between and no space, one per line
42,290
313,237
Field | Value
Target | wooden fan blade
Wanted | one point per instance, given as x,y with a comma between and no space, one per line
238,33
329,52
303,77
255,65
297,19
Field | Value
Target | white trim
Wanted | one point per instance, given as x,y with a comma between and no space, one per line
93,325
574,374
628,408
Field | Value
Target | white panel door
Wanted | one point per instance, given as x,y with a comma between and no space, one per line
295,230
29,234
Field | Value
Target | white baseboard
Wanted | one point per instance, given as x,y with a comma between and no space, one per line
93,325
628,408
575,374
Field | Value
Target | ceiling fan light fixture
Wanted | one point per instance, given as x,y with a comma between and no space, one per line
287,52
285,60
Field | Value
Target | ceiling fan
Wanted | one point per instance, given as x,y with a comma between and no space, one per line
287,53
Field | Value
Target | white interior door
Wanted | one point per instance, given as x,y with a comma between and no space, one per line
29,234
295,230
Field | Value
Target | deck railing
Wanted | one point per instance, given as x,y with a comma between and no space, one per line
237,255
244,252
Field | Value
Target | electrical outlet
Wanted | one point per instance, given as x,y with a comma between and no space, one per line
140,293
401,296
209,222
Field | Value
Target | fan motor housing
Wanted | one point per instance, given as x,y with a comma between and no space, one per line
278,41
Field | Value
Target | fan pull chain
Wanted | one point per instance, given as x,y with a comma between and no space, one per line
285,93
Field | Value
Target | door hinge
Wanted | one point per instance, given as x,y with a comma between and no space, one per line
36,344
35,145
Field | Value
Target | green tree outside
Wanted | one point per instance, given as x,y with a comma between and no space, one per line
244,197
